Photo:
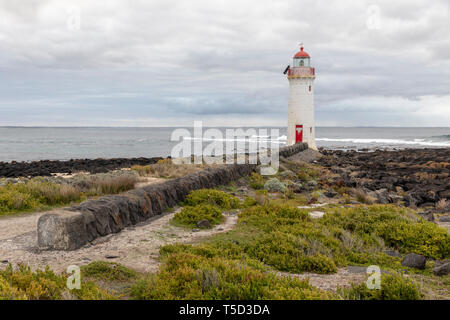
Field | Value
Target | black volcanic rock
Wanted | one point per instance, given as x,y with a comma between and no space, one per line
414,260
422,174
47,167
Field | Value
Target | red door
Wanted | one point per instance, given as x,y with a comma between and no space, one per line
298,133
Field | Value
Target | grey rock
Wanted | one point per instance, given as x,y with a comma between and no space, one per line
296,187
414,260
356,269
111,256
393,253
203,224
61,230
395,198
382,196
444,218
312,183
410,201
429,217
195,230
442,269
330,193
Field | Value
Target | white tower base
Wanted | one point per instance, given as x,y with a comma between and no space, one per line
301,111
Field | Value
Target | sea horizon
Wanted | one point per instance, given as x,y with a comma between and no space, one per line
65,143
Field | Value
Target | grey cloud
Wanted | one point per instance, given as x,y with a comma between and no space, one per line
164,60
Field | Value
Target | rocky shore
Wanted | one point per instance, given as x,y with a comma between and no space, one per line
49,167
417,177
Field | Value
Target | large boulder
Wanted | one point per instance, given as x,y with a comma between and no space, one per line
204,224
414,260
62,230
442,269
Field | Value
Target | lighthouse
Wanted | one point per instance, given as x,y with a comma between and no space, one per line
301,100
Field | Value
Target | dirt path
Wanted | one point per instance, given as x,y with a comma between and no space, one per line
136,247
330,282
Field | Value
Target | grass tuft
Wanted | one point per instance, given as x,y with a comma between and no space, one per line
189,216
109,271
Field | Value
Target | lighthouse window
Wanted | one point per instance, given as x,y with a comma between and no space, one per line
310,129
301,63
309,88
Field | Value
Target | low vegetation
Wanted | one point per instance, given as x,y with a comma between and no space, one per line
192,276
256,181
166,168
242,263
23,284
189,216
44,193
392,226
392,287
212,197
272,236
108,271
205,204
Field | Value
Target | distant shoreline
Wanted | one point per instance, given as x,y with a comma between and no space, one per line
15,169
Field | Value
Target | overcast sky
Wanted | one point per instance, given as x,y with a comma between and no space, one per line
168,63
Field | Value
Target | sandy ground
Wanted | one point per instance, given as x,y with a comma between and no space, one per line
136,247
330,282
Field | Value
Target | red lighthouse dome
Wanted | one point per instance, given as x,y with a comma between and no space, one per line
301,54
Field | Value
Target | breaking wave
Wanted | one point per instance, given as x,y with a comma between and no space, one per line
420,142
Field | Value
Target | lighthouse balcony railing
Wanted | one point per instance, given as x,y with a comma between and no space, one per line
300,72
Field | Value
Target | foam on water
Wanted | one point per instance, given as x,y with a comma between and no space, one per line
421,142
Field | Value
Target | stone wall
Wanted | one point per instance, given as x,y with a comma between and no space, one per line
73,227
293,149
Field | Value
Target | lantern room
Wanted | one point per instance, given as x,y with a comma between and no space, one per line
301,59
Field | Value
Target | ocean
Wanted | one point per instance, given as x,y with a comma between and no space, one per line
38,143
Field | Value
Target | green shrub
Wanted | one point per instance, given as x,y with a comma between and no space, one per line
307,172
90,291
189,216
274,185
256,181
287,252
397,227
249,202
109,271
393,287
24,284
420,237
213,198
188,276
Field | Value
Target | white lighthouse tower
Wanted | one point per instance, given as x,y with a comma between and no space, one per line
301,101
